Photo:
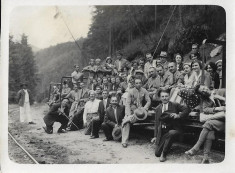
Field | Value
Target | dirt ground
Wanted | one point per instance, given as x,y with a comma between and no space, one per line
76,148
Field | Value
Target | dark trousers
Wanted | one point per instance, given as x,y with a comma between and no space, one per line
107,128
77,120
59,118
95,127
166,142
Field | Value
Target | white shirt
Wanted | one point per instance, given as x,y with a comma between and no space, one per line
90,107
147,66
105,103
26,98
166,107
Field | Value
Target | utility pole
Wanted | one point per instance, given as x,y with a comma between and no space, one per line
155,19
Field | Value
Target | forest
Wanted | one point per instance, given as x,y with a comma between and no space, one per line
132,29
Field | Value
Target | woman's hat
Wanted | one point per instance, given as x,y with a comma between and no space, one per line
117,133
140,113
108,59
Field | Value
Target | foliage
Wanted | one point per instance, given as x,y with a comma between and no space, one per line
22,67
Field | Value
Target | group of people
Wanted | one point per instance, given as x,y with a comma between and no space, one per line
118,94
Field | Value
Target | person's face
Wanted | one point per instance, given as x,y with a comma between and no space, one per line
94,81
178,59
152,72
196,67
187,69
77,68
149,57
105,94
164,97
91,79
135,66
119,56
209,69
114,101
163,59
75,87
97,62
98,90
138,84
219,66
113,80
194,58
92,62
109,61
92,96
194,48
124,77
172,67
124,69
158,61
24,86
160,71
99,80
204,90
105,81
65,102
82,85
117,81
141,63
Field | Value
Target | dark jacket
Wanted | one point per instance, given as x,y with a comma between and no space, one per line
183,111
110,116
101,110
53,113
21,97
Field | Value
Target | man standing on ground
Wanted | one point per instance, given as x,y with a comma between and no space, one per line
24,101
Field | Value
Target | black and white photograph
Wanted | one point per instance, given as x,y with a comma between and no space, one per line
118,84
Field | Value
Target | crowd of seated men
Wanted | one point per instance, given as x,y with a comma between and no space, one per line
118,94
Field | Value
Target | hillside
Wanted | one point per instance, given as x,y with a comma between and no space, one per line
55,62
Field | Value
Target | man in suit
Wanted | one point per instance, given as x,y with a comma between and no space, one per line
178,77
164,78
96,122
24,100
57,113
177,112
114,116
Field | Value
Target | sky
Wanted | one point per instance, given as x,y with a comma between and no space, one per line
43,30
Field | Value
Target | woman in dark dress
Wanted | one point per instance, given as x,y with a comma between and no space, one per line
212,69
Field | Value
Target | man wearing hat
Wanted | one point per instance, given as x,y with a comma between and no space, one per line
57,113
76,75
137,97
149,63
113,120
172,114
24,101
140,75
120,62
163,57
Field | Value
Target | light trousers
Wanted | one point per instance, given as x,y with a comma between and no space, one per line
25,114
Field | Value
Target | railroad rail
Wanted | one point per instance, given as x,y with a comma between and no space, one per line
26,152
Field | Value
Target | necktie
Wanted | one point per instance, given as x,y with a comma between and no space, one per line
164,107
115,114
104,104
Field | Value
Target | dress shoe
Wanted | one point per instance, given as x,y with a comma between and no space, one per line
124,145
61,131
31,122
93,137
47,131
162,157
205,161
107,139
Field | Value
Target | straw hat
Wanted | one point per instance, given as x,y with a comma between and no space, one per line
140,113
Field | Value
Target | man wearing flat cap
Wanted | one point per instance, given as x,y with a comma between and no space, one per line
163,56
24,100
167,119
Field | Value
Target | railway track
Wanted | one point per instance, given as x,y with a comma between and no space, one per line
20,155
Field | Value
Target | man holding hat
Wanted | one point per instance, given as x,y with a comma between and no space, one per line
24,101
167,119
137,97
76,75
113,120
